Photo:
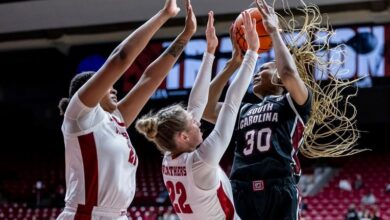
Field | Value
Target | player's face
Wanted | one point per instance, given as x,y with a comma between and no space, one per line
262,80
193,132
109,101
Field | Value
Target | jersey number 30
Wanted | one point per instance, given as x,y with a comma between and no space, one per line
261,139
180,206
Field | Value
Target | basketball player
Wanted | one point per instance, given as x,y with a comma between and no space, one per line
197,186
267,134
100,160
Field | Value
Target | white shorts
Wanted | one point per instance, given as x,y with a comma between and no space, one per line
98,213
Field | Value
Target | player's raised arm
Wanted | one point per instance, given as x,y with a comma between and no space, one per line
285,64
199,93
154,74
213,107
123,56
217,142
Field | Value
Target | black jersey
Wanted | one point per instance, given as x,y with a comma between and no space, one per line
267,138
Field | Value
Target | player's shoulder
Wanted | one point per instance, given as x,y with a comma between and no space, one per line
245,106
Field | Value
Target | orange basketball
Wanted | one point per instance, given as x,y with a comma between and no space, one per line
264,38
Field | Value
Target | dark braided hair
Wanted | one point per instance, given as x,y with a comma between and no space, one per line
75,84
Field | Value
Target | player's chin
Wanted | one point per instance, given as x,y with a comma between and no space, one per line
200,141
113,105
257,88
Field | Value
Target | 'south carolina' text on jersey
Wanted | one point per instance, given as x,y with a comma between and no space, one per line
260,114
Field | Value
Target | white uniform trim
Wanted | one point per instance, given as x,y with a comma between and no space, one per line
290,102
102,211
101,162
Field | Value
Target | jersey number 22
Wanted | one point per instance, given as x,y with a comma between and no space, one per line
178,189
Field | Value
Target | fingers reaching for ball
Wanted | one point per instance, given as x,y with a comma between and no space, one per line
270,19
250,31
239,36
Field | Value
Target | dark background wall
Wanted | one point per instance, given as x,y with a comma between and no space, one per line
32,82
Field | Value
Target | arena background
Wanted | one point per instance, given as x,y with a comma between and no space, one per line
43,43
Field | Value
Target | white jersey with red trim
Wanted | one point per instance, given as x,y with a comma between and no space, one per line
198,188
101,162
188,200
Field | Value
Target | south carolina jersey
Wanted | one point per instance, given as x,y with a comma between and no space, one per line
101,162
188,200
267,138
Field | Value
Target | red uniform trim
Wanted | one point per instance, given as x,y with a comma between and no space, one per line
90,162
225,202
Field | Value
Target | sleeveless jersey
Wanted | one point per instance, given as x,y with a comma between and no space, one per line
101,162
267,138
188,200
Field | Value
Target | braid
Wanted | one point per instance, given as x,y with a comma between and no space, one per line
331,130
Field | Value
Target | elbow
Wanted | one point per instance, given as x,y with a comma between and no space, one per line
287,73
118,56
121,52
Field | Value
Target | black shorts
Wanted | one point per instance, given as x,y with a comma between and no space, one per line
273,199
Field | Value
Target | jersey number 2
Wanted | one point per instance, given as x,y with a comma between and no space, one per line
261,138
132,156
180,206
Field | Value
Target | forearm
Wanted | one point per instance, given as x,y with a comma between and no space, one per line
200,90
284,61
287,70
239,86
164,63
216,87
220,81
154,74
129,48
217,142
120,60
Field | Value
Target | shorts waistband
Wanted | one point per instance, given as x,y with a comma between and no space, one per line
260,185
95,210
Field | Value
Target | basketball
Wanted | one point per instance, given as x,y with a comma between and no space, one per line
264,38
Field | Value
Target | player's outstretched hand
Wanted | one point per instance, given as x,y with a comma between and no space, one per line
237,56
170,8
190,27
270,19
250,31
211,37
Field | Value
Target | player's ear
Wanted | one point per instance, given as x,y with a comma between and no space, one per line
181,138
184,136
